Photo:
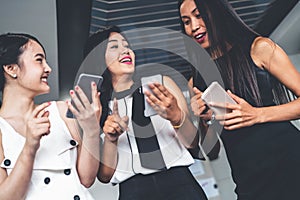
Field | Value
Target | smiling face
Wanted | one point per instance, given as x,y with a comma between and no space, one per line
120,59
193,23
33,70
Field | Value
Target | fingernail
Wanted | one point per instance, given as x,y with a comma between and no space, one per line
94,84
76,87
71,92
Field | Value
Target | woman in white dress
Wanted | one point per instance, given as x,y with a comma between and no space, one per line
42,154
146,156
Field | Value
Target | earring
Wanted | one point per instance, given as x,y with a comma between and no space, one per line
14,76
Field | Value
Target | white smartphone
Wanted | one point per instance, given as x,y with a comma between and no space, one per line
149,111
216,94
84,82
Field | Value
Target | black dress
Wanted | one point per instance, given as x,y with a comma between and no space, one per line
264,158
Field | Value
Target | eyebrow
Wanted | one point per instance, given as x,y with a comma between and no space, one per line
114,40
193,11
40,54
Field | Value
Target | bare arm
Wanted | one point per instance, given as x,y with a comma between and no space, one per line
169,102
187,131
269,56
87,116
114,126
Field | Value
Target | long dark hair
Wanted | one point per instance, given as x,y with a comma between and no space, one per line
101,38
12,45
226,30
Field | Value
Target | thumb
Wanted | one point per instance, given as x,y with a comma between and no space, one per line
196,90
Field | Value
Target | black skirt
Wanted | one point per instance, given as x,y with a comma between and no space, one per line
176,183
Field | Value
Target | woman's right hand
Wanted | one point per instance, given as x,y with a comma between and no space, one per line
38,125
115,125
198,105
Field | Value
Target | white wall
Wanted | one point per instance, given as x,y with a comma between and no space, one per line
38,18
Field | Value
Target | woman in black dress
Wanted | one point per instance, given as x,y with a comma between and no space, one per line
262,146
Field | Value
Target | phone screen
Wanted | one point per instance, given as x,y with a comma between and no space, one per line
149,111
84,82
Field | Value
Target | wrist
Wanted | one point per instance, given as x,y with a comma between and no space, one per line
30,149
181,120
112,140
261,118
92,133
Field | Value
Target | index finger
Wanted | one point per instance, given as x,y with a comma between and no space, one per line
224,105
161,89
40,108
115,110
196,91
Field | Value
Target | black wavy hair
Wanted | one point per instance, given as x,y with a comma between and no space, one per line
12,45
101,38
225,28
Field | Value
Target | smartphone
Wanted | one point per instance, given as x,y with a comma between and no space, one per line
216,94
84,82
149,111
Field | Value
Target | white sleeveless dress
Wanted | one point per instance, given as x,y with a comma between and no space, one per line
54,172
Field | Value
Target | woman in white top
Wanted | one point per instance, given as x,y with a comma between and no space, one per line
38,144
152,173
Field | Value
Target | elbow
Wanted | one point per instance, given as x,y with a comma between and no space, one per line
87,183
105,174
104,179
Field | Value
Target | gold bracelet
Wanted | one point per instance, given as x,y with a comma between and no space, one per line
182,119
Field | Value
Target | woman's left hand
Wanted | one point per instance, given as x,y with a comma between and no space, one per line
240,115
87,114
164,103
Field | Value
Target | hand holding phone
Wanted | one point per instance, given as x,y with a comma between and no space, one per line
149,111
216,94
84,82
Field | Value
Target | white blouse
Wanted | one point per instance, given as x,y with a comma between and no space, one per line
54,172
173,151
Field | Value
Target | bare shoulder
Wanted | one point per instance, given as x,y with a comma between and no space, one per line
70,122
169,83
167,79
262,43
62,107
262,49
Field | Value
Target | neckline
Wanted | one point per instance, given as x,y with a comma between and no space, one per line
125,93
8,125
